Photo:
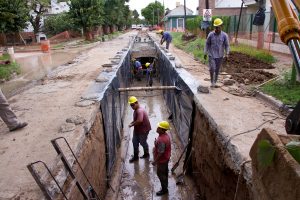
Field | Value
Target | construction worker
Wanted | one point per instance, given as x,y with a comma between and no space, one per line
141,130
8,116
217,44
138,69
162,154
149,71
165,37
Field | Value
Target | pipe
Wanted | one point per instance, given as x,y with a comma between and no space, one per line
148,88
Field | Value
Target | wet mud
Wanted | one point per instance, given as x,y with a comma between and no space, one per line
246,69
139,179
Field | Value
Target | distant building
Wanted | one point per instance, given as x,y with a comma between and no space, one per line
59,7
174,20
221,7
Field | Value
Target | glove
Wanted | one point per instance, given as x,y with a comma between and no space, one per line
205,56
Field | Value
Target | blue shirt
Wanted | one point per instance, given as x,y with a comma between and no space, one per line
138,64
167,37
216,44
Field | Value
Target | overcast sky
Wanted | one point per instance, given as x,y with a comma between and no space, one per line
171,4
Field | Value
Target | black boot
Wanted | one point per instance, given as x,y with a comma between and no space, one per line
146,155
133,158
162,192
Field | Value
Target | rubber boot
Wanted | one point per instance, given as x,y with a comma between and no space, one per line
134,157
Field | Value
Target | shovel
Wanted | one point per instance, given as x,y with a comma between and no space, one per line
177,163
180,177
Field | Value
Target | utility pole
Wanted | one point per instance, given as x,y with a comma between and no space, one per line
207,7
184,6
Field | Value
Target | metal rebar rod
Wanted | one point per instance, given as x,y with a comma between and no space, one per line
147,88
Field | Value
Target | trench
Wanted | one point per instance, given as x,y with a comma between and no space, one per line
105,151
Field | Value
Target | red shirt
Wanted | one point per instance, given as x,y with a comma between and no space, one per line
141,115
163,146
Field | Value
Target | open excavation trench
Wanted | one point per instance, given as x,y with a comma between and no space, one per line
106,147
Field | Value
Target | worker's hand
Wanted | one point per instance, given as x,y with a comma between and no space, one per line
130,125
226,56
153,163
205,56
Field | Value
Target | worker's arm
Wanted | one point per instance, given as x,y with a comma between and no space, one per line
162,40
226,45
207,46
139,119
161,147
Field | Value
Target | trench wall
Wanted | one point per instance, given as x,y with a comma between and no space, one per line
91,159
211,165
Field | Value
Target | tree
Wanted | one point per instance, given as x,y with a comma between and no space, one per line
136,19
116,13
87,14
59,23
153,13
37,9
13,16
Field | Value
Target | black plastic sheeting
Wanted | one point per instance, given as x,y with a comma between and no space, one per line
112,108
179,102
113,104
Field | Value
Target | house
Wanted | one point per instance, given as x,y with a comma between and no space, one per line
221,7
174,20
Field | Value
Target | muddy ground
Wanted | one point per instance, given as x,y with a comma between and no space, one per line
246,69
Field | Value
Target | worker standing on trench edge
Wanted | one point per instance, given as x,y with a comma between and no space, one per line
162,154
165,37
216,44
141,130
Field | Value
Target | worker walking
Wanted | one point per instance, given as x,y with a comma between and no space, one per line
216,44
8,116
141,130
162,154
166,37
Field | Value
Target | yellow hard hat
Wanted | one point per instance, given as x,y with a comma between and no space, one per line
132,99
160,31
218,22
147,64
164,125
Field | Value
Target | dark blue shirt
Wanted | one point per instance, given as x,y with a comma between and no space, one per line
167,37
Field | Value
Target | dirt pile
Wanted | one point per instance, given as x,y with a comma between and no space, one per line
246,69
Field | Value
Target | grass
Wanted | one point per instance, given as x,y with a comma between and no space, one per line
196,47
6,71
254,52
283,90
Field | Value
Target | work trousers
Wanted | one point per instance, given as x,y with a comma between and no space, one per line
167,44
140,138
162,173
214,68
6,114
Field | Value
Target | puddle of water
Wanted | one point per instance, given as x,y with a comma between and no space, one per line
140,180
35,67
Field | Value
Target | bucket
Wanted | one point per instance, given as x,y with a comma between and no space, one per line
45,46
10,50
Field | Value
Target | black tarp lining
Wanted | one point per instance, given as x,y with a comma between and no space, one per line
113,104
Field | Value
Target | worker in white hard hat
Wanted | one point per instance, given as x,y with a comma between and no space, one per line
141,130
162,154
217,48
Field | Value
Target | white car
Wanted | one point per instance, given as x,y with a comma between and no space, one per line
133,26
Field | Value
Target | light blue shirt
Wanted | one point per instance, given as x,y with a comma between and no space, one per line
216,45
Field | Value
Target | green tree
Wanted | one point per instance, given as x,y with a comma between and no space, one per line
13,16
135,15
37,9
59,23
86,14
116,13
153,13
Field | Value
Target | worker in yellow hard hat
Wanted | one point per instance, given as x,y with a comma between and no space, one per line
149,70
217,48
141,130
162,154
166,37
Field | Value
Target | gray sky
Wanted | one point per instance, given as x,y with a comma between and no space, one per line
171,4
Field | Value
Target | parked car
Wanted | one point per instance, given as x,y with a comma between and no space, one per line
133,26
139,26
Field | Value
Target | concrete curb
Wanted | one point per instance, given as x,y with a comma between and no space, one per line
274,103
